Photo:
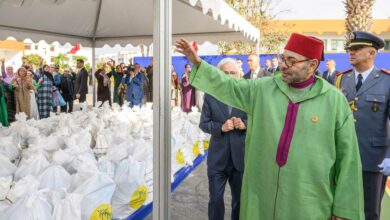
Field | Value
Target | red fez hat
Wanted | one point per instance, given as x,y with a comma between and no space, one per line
310,47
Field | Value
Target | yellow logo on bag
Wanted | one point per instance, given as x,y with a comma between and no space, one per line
180,157
195,149
205,145
102,212
139,196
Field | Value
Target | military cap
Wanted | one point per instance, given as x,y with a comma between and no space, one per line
359,39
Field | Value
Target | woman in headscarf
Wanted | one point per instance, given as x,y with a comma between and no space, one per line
104,83
45,92
22,84
176,97
118,75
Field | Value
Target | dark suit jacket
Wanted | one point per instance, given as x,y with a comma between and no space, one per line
275,70
261,73
330,79
223,146
81,85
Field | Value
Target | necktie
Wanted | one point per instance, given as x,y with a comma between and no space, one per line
329,76
360,82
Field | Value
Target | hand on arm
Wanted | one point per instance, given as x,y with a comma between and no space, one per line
228,126
238,123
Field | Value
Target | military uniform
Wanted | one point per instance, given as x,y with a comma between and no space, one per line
370,104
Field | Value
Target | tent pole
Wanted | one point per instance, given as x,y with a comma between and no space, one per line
93,74
162,42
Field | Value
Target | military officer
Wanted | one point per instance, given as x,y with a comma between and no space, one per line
367,89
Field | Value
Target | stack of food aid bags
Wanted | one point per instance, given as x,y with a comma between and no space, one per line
96,163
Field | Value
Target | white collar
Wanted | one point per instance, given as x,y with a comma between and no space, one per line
364,74
256,71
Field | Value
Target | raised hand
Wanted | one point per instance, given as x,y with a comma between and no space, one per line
185,47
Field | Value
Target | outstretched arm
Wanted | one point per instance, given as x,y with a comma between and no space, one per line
235,92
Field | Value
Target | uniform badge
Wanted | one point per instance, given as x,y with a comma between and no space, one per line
352,106
349,37
375,107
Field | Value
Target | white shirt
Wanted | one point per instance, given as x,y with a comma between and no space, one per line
364,74
254,74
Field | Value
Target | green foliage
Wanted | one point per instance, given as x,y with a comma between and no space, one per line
259,14
61,60
35,59
77,57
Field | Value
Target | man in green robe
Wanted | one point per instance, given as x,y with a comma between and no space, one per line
301,157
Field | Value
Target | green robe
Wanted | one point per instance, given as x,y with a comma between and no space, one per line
3,108
322,176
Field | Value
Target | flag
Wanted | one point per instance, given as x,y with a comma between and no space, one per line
74,49
195,45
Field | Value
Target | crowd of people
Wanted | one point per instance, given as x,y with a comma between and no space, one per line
37,92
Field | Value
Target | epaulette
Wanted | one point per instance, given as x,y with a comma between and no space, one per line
386,71
346,71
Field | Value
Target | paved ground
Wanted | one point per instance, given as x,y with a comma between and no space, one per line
190,199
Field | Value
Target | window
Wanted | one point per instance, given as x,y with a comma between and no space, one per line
51,59
337,45
325,44
52,48
36,47
387,45
27,46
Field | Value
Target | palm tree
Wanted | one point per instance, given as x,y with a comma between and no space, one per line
359,15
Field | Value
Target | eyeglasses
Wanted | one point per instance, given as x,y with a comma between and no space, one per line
231,72
290,61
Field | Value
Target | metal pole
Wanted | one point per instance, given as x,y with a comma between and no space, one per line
93,73
162,41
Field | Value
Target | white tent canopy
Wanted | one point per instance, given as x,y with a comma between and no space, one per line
120,22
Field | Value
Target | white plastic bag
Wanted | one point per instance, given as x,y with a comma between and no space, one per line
97,192
24,185
9,147
6,167
132,191
4,205
68,208
33,106
54,177
5,186
33,166
32,206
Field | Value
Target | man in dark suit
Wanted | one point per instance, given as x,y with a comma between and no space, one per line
331,72
268,65
255,70
225,161
275,65
81,87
